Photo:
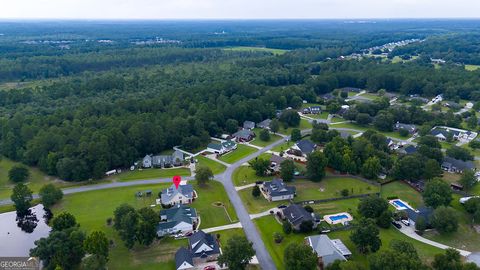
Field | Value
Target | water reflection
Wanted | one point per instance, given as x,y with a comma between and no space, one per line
18,234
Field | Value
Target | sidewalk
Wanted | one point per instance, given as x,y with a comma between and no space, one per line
263,214
224,227
244,187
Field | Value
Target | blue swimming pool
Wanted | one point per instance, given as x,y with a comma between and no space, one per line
338,217
400,204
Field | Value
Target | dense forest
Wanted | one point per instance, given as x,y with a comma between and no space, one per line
105,105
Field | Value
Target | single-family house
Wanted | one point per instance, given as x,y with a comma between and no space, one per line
222,147
315,110
277,190
410,128
305,147
343,109
275,163
344,134
453,165
452,105
244,135
328,96
147,161
163,161
351,89
178,219
203,247
296,214
419,99
248,125
409,150
442,134
265,124
173,196
183,259
178,158
328,250
424,212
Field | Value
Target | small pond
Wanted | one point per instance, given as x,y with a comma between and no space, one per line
15,242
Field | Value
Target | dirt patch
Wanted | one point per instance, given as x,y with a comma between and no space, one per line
218,204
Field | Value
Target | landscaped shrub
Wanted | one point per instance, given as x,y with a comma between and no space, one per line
344,192
287,227
277,237
306,226
308,208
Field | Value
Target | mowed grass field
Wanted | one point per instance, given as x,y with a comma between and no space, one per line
35,182
267,226
472,67
152,174
403,192
241,152
258,142
245,175
93,208
216,167
256,49
304,124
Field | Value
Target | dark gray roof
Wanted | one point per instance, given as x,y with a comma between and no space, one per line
328,96
264,124
277,159
296,214
200,239
425,212
458,164
248,125
162,160
306,146
344,134
243,134
411,149
169,193
178,211
408,127
183,255
216,146
277,187
351,89
328,250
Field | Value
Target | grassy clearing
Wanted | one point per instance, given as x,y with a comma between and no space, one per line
153,174
93,208
350,126
258,142
268,226
402,191
245,175
304,124
283,147
256,49
36,181
472,67
393,134
241,152
216,167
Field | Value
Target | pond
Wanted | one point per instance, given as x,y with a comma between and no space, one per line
15,242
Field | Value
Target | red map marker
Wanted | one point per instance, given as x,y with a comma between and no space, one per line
176,180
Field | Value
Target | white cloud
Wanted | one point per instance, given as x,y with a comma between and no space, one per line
238,9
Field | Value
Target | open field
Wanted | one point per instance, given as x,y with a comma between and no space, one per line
258,142
153,173
256,49
245,175
472,67
216,167
402,191
304,124
36,181
268,225
93,208
393,134
241,152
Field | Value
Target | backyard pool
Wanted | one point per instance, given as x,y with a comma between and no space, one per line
400,205
338,218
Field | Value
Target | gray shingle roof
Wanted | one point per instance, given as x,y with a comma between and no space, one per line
199,239
183,255
244,134
328,250
248,125
264,124
306,146
169,193
277,187
458,164
296,214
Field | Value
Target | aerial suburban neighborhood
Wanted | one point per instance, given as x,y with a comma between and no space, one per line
340,144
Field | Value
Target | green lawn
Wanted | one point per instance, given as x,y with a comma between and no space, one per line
241,152
304,124
258,142
393,134
308,190
256,49
283,147
472,67
245,175
93,208
153,174
402,191
323,115
216,167
267,226
36,181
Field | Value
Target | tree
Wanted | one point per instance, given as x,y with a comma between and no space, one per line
421,225
96,243
94,262
256,191
60,249
408,168
203,174
274,126
287,227
306,226
372,207
50,195
21,197
363,119
231,126
237,253
365,236
18,173
448,261
299,257
260,166
264,135
146,228
403,132
461,153
126,220
383,121
290,118
287,170
277,237
468,179
296,135
401,255
371,168
437,192
384,220
445,219
316,163
63,221
432,169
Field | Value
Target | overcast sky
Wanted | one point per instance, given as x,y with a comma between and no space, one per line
238,9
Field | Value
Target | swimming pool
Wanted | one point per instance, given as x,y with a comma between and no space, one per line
338,217
400,205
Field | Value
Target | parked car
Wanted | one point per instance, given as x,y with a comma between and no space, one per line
210,267
396,224
406,222
282,206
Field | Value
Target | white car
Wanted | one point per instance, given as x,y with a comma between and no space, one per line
406,222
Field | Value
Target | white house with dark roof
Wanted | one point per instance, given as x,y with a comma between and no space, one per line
178,219
265,124
452,165
277,190
244,135
296,215
305,147
248,125
410,128
328,250
163,161
173,196
222,147
183,259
